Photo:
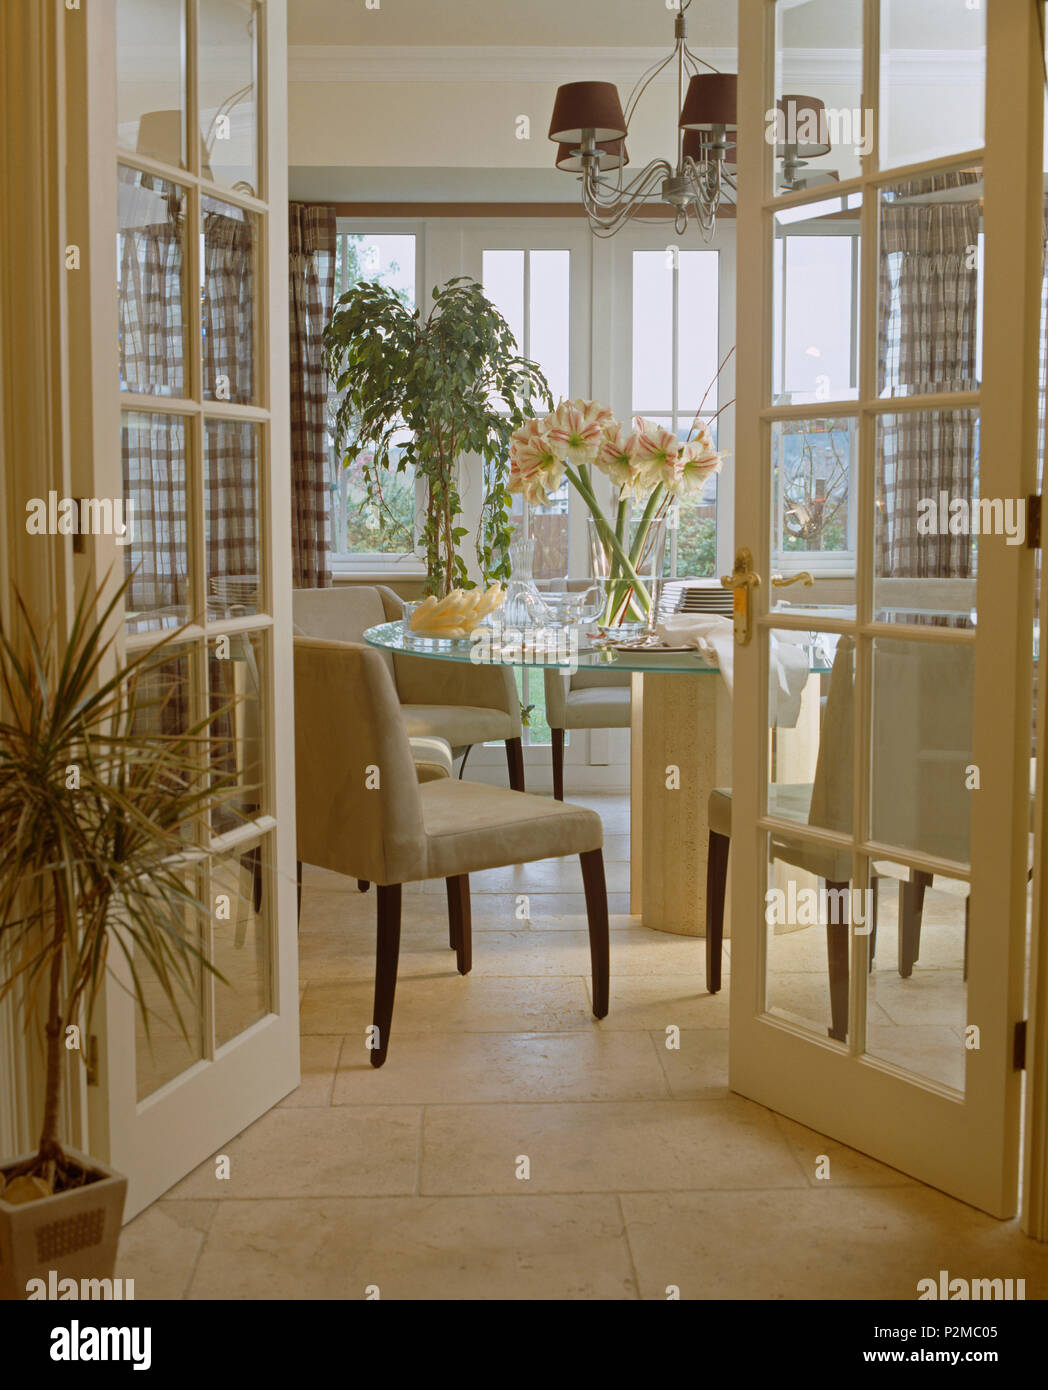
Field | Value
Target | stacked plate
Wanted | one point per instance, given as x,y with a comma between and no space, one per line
696,596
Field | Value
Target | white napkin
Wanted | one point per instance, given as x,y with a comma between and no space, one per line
711,634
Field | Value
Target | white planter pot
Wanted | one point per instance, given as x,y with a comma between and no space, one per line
74,1233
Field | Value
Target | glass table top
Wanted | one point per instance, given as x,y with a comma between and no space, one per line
566,649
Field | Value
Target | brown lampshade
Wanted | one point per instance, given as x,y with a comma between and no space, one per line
802,114
693,148
710,101
582,106
613,155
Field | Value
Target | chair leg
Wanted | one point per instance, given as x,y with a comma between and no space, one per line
923,881
716,884
515,762
363,885
597,916
298,881
837,953
911,903
874,897
558,764
386,956
460,921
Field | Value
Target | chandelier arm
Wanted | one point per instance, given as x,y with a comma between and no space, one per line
696,59
645,82
649,176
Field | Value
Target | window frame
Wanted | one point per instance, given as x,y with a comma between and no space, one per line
381,564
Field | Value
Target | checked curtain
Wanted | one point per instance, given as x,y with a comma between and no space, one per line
311,285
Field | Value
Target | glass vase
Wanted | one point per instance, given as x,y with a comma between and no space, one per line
524,606
631,599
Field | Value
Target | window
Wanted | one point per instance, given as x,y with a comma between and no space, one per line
362,532
676,352
532,290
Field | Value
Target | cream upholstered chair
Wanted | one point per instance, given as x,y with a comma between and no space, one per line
456,701
362,812
585,700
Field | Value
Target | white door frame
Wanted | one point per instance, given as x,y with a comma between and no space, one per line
967,1147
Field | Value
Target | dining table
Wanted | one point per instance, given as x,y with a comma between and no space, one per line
680,749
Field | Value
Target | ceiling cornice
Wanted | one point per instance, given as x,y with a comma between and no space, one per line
551,65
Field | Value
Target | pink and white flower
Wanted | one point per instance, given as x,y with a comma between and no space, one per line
534,469
617,456
700,459
575,430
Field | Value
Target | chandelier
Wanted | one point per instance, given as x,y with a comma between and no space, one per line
590,130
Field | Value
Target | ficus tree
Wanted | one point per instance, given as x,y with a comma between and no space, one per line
421,393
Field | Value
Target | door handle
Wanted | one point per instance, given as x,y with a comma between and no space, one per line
802,578
741,581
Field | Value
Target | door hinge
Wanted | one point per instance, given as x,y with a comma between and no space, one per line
1019,1047
91,1060
1033,521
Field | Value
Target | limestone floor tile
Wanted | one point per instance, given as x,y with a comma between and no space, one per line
566,912
159,1248
616,849
927,997
451,1003
522,1247
463,1068
315,1152
797,952
655,1002
319,1062
604,1147
842,1243
847,1167
543,876
698,1069
932,1051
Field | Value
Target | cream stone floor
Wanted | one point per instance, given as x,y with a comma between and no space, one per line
643,1170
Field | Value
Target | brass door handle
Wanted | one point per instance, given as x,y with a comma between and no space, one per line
802,578
742,580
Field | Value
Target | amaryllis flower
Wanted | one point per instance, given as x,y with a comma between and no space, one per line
534,469
530,429
617,456
657,455
576,430
699,459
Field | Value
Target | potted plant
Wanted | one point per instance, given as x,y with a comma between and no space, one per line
100,797
419,393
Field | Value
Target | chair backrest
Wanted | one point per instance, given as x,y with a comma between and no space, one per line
358,806
344,613
921,721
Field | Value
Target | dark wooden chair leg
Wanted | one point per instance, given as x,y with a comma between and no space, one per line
911,896
837,934
460,921
256,879
298,881
386,956
515,762
922,880
558,764
716,884
597,916
363,885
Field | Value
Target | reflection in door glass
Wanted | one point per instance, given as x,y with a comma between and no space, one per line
933,79
917,1012
809,911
